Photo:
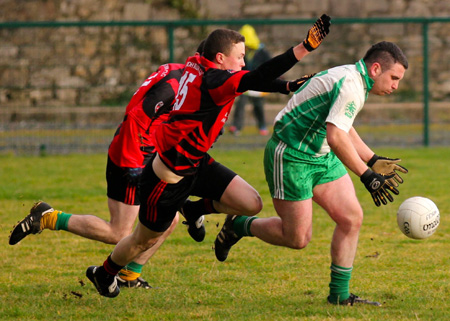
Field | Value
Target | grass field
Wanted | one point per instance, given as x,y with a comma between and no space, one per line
44,275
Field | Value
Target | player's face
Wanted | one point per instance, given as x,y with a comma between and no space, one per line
235,60
386,81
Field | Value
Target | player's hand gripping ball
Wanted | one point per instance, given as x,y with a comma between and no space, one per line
418,217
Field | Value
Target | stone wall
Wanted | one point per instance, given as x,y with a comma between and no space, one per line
91,66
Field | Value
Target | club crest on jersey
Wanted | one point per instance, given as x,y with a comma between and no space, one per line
350,109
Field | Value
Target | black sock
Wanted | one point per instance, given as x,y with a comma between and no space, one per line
194,209
109,268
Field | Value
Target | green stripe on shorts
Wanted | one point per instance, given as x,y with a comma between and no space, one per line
292,175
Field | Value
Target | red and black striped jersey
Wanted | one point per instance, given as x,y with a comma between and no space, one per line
149,106
203,103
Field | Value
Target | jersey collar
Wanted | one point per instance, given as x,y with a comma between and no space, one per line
361,67
207,63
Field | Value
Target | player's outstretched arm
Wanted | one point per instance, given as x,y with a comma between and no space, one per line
266,73
285,87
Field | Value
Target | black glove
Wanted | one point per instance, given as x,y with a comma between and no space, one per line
133,174
378,186
317,33
387,166
296,84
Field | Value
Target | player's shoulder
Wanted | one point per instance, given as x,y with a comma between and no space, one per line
169,68
176,66
347,73
343,69
217,77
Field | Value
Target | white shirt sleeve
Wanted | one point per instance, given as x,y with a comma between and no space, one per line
348,103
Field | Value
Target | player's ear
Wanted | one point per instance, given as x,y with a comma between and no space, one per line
220,57
375,70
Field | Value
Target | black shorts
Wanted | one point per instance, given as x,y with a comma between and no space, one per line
212,179
160,201
118,187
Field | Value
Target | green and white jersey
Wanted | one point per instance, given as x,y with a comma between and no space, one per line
335,95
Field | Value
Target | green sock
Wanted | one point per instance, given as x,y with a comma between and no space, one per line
241,225
63,221
340,283
134,267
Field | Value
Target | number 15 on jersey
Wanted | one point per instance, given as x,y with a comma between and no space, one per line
183,90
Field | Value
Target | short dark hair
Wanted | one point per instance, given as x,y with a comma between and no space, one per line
386,54
221,40
201,46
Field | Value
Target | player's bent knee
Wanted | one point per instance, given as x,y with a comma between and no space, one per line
350,221
299,244
253,206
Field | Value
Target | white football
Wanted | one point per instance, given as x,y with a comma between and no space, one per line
418,217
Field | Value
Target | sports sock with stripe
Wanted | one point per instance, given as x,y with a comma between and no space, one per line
63,221
340,283
131,271
241,225
110,267
56,220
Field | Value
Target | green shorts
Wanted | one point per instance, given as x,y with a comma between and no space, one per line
292,175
